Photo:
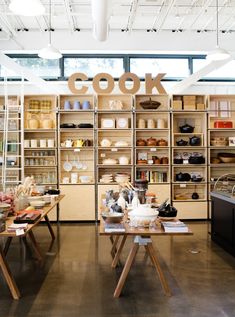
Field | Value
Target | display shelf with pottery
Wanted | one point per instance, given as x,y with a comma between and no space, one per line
114,102
158,102
76,103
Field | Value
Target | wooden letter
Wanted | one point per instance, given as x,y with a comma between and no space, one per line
72,81
122,83
96,83
151,83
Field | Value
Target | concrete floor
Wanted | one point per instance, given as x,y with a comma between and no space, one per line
76,279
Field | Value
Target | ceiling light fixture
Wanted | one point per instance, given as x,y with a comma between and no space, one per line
50,52
218,54
27,7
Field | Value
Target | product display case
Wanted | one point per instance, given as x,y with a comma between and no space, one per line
189,156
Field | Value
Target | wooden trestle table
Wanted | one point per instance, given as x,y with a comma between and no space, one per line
29,231
140,237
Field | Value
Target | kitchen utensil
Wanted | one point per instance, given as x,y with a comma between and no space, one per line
68,143
150,104
196,179
68,126
115,105
78,164
26,143
219,141
67,165
162,142
182,177
105,142
67,105
74,178
186,128
196,158
166,210
65,180
141,124
109,161
84,166
34,143
227,157
223,124
33,123
160,123
195,195
50,143
151,142
78,143
112,217
85,125
85,179
123,160
181,142
76,105
150,124
195,141
43,143
143,215
121,143
47,123
86,105
140,142
37,203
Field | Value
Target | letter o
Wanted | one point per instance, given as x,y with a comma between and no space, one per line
122,83
96,83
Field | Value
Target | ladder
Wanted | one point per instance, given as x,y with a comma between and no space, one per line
13,141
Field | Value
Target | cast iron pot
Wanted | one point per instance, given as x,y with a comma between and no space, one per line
178,161
196,159
181,142
168,211
196,179
195,140
186,128
195,195
182,177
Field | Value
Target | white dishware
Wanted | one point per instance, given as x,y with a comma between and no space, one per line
109,161
43,143
50,143
68,143
74,178
123,160
105,142
143,215
37,203
34,143
65,180
160,123
67,165
121,143
26,143
85,179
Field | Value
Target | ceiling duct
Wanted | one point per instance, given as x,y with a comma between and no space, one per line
100,10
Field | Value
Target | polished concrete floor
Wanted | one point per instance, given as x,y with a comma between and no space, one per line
76,279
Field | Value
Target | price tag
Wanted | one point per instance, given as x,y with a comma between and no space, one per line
77,150
185,161
102,155
114,150
183,185
153,149
19,232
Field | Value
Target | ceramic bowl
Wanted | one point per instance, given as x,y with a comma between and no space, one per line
112,217
38,203
85,179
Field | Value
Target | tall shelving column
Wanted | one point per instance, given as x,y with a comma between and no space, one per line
76,140
152,143
221,138
189,156
114,141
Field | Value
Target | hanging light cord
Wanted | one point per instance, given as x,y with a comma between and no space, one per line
50,22
217,23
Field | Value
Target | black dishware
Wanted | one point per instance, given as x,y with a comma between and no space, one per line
182,177
195,195
68,126
166,210
181,142
195,140
186,128
196,158
196,179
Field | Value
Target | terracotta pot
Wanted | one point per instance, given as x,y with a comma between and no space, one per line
151,142
140,142
162,142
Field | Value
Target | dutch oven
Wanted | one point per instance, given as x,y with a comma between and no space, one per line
181,142
186,128
182,177
166,210
195,140
196,158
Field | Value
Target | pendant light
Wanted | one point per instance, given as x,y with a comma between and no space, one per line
50,52
218,54
27,7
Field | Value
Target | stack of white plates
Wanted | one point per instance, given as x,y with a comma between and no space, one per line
106,178
122,178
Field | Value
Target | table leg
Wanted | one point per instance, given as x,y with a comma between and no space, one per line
8,276
114,246
118,253
7,245
49,227
149,248
35,246
126,270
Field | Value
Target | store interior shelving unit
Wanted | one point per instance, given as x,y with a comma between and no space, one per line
121,119
76,149
189,197
221,136
40,139
114,140
152,144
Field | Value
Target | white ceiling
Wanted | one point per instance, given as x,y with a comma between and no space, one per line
141,25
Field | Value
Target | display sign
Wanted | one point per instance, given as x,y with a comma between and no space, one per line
151,83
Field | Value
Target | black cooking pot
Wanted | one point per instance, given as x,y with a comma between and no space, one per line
167,211
178,161
196,179
195,195
195,140
186,128
182,177
196,159
181,142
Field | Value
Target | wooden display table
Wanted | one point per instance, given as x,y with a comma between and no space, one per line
29,231
141,237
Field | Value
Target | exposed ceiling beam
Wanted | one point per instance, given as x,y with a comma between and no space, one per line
69,16
165,15
132,15
189,81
